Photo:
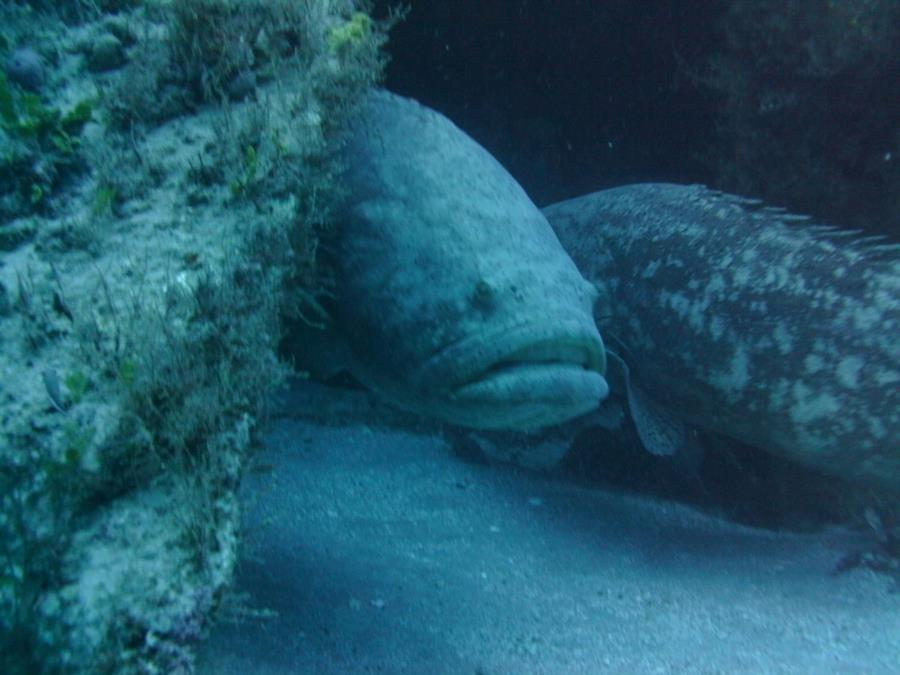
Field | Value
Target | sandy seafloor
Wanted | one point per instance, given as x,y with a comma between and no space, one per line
379,550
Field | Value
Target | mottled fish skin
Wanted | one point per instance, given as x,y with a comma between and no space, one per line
454,294
750,322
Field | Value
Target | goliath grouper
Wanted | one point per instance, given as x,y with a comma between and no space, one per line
746,321
454,297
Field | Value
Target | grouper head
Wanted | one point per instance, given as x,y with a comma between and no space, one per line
453,293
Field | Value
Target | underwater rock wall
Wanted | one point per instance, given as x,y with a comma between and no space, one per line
165,178
808,109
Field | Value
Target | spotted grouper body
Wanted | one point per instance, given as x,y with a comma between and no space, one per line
749,322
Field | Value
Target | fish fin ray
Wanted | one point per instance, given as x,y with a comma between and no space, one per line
661,433
875,247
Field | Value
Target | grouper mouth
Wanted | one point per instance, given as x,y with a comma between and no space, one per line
522,378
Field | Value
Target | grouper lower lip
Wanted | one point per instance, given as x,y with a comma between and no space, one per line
523,377
531,395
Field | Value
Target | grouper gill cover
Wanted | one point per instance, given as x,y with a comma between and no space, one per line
748,321
454,294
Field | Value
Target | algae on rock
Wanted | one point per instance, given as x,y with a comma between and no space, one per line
143,315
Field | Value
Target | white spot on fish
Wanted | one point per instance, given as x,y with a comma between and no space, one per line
677,301
777,277
736,378
810,406
716,285
741,276
778,395
886,376
783,339
884,300
866,318
819,345
716,328
695,311
808,438
634,325
876,427
651,269
825,298
813,364
847,371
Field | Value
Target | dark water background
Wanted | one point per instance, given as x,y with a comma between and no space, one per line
797,103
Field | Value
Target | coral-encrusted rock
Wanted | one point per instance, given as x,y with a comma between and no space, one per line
25,67
107,53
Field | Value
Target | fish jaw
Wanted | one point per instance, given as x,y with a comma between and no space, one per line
525,378
526,397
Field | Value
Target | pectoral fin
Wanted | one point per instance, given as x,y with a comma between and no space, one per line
662,434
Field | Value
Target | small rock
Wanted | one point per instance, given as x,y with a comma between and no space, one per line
25,67
107,53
